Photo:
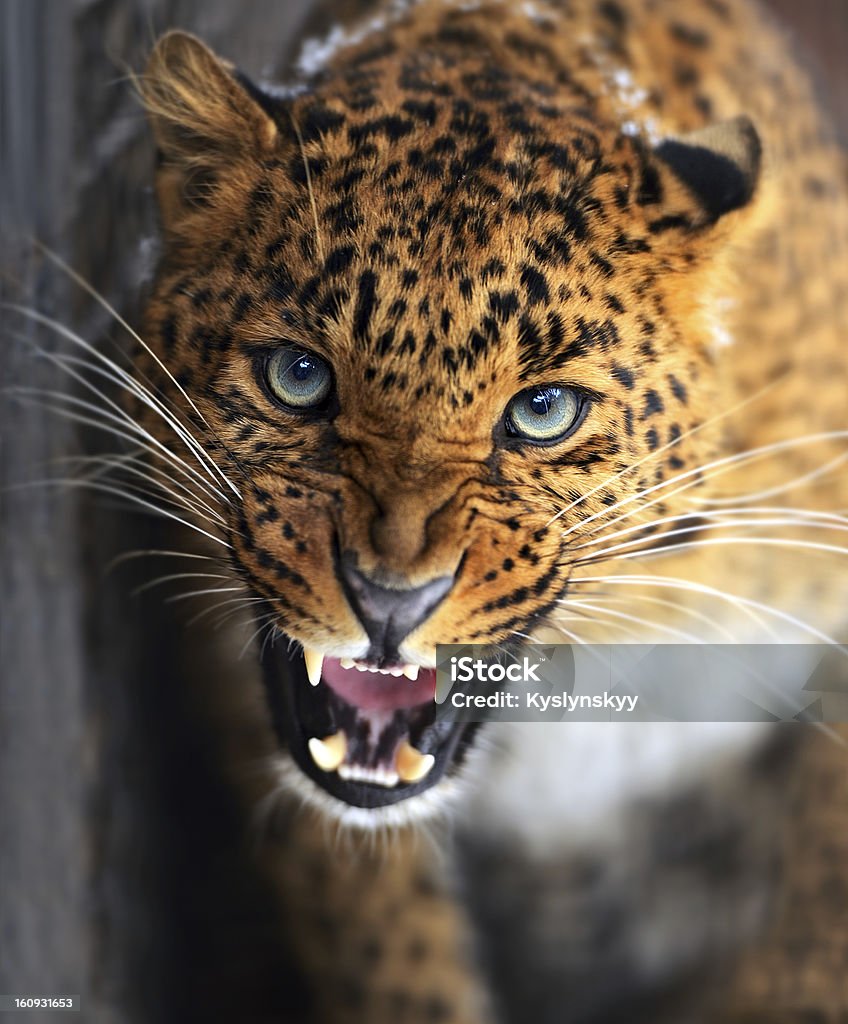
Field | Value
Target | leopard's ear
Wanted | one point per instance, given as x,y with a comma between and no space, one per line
206,119
703,176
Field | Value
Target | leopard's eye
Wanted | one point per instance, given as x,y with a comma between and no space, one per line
544,414
299,378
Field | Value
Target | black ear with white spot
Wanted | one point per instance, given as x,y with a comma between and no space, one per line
719,165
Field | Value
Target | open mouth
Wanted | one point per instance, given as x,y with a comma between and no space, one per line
368,735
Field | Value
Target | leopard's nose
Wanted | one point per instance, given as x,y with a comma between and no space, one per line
389,614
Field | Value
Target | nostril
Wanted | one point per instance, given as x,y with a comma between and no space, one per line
389,614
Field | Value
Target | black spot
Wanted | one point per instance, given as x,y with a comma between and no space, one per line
317,119
169,333
535,284
242,304
365,304
623,375
678,389
391,126
339,260
422,110
504,305
653,404
613,13
670,222
694,37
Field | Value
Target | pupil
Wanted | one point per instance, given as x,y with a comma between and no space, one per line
302,369
540,403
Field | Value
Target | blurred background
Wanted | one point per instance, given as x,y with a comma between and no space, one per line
114,829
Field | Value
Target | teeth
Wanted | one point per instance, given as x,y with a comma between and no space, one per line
411,764
328,753
379,776
314,663
410,671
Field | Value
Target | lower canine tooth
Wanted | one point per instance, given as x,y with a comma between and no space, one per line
411,764
314,663
411,671
328,753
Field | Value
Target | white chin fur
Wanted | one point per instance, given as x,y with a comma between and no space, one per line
431,806
562,784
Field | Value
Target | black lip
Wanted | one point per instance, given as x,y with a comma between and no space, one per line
297,713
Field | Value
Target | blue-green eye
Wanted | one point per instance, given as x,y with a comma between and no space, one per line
545,413
299,378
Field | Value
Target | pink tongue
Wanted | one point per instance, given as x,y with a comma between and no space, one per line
372,691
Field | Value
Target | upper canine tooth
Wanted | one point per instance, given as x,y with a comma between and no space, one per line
314,663
411,671
410,764
328,753
347,662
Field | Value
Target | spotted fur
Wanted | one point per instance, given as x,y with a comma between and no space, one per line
454,202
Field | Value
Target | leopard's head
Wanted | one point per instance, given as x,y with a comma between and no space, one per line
435,325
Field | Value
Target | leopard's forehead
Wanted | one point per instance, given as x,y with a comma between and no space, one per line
442,227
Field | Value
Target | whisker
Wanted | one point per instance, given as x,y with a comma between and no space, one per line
243,601
700,474
132,387
129,490
150,584
658,542
670,444
133,498
266,622
125,380
309,187
658,551
136,467
128,556
134,432
203,593
723,518
636,620
748,603
814,474
55,258
662,602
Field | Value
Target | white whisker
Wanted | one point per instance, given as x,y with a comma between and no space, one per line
660,451
749,542
636,620
698,475
178,576
128,382
110,309
134,433
746,603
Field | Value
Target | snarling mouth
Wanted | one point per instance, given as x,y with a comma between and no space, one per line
369,736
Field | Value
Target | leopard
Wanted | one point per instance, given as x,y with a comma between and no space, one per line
483,307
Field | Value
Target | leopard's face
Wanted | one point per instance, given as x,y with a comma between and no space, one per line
432,345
